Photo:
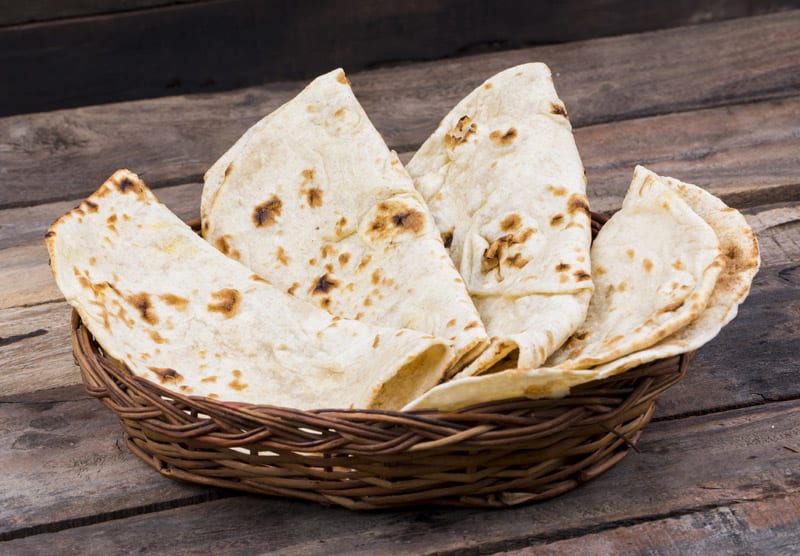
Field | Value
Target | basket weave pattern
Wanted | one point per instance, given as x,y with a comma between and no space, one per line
493,455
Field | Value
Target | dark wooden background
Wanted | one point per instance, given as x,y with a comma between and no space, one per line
60,54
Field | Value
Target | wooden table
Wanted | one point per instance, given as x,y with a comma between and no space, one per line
717,471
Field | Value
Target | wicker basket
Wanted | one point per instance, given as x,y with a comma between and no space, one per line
493,455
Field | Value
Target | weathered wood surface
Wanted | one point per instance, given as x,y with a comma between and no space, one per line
684,466
66,154
718,470
206,46
67,459
761,527
32,11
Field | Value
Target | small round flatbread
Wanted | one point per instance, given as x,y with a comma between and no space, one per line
740,260
655,265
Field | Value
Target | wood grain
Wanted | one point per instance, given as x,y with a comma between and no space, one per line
746,154
206,46
40,355
66,459
684,466
760,527
15,13
66,154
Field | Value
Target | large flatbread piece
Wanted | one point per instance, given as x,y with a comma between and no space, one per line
312,199
174,310
655,265
505,183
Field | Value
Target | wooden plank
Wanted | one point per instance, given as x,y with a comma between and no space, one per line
205,46
35,349
65,459
747,154
15,13
65,154
761,527
684,466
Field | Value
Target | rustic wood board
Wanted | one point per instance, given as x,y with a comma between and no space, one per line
68,459
35,349
206,46
760,527
30,11
684,466
746,154
66,154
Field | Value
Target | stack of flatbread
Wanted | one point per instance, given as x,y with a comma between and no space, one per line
328,275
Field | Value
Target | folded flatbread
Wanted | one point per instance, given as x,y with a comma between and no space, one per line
740,262
502,385
313,200
174,310
655,265
506,186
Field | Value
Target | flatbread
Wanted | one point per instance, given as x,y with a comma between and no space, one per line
312,199
502,385
655,264
504,181
164,302
740,260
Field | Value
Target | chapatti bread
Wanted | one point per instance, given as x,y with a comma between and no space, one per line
740,264
504,181
502,385
312,199
655,264
174,310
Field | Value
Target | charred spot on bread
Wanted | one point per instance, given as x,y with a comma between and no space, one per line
267,213
226,302
504,138
324,284
558,109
